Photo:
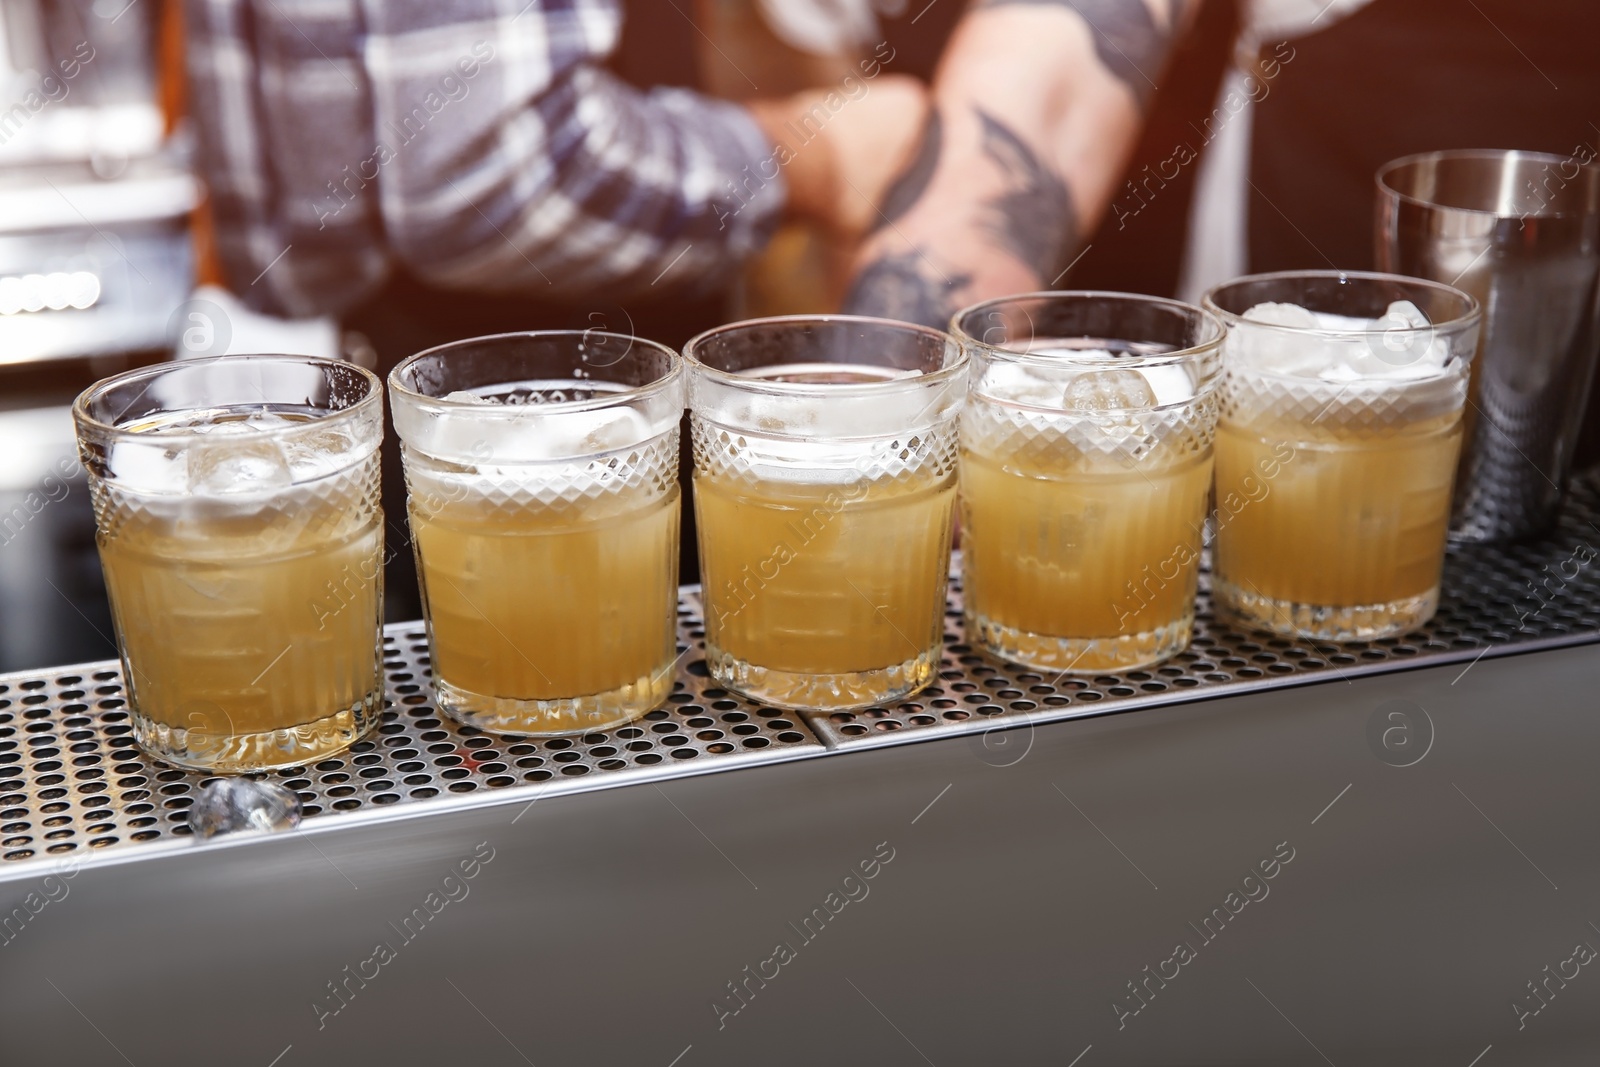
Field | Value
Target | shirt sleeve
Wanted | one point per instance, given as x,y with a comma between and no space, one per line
482,144
543,173
281,112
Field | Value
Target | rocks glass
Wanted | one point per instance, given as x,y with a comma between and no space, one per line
1085,471
825,480
1341,427
236,501
541,471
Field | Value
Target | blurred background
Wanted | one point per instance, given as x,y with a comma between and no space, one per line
105,262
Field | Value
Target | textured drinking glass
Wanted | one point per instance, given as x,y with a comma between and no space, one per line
824,480
1085,471
241,536
1340,431
542,478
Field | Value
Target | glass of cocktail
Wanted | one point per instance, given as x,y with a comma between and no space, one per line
1085,471
541,472
1340,431
241,537
825,480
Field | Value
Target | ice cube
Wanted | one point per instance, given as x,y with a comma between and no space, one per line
1289,339
1398,344
608,429
147,466
1108,390
536,438
229,805
315,450
1404,311
227,464
1276,314
1339,348
461,396
1012,381
1171,383
1406,339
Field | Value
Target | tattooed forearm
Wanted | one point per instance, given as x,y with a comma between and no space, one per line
1032,217
908,188
906,287
1127,39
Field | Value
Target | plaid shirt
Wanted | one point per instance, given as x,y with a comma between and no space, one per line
478,142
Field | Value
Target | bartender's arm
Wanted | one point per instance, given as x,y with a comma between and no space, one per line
1036,107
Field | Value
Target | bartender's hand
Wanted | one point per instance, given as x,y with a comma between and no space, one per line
842,172
1036,106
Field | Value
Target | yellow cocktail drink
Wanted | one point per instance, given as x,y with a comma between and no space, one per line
554,605
839,579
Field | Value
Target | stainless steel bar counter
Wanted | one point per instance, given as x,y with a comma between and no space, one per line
1293,853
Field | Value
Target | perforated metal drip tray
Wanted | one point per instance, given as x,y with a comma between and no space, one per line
72,781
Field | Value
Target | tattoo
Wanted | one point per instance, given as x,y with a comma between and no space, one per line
1127,40
1032,218
903,287
912,182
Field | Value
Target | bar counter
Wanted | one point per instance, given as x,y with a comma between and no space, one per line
1290,852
